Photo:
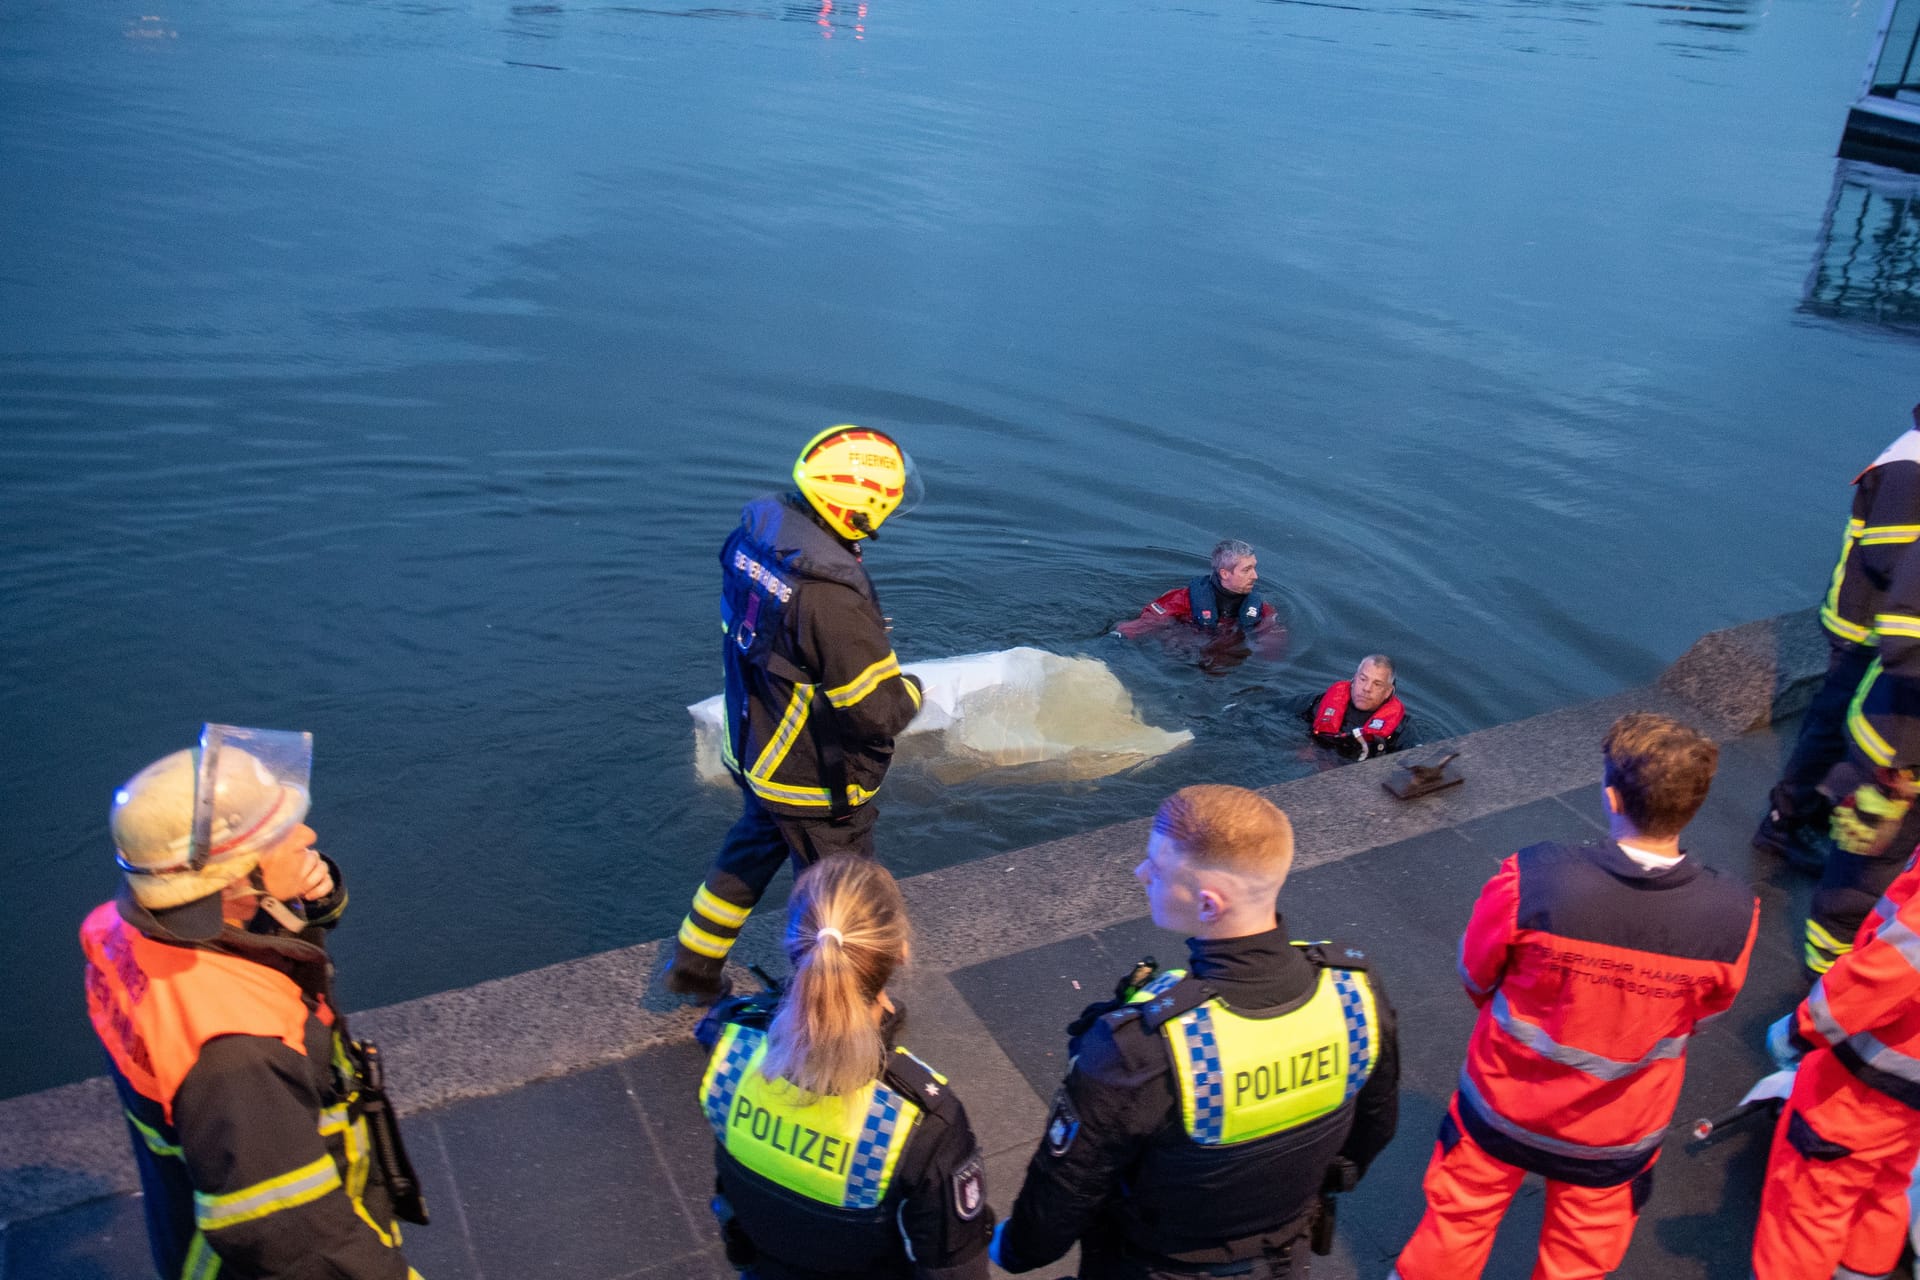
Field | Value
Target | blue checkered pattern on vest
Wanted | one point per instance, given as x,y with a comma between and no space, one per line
1209,1082
869,1164
1359,1031
726,1080
1163,983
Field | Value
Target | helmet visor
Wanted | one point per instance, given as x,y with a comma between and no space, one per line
251,789
913,491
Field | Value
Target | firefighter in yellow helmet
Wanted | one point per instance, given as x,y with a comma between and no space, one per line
814,692
252,1115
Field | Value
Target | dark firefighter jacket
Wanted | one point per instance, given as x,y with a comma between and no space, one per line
253,1157
890,1185
1120,1162
814,692
1885,522
1874,600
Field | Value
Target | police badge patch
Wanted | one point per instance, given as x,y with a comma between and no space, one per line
969,1188
1063,1126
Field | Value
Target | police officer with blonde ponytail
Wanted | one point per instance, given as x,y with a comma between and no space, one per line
837,1154
1208,1117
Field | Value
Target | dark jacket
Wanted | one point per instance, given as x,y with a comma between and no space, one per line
933,1222
814,692
223,1054
1884,523
1875,600
1117,1163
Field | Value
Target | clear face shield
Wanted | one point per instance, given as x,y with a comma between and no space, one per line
913,490
912,493
250,790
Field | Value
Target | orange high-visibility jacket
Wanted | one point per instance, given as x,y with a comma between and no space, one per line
1867,1007
245,1117
1591,974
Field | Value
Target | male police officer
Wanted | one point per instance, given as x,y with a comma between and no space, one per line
814,692
1200,1124
208,983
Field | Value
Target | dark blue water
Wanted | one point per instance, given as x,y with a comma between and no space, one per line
395,370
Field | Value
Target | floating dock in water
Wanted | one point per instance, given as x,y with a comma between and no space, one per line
1884,124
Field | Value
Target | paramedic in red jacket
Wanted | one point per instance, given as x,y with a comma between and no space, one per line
1835,1202
1592,966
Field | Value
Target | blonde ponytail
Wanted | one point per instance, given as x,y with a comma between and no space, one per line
846,933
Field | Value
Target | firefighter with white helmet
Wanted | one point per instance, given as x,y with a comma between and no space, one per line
260,1134
814,691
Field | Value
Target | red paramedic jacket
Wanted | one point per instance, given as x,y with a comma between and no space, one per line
1591,974
1866,1009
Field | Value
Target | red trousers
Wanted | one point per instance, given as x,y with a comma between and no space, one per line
1585,1234
1836,1193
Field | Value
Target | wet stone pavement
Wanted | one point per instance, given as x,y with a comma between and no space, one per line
604,1174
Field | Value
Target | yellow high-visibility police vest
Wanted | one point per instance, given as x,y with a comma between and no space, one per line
1243,1078
837,1150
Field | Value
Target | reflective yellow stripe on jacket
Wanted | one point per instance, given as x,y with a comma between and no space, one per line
152,1137
287,1191
1830,616
1864,735
792,722
865,683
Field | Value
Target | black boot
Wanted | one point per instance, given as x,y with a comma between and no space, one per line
1804,845
696,979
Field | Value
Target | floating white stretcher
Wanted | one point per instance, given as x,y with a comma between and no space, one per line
1048,717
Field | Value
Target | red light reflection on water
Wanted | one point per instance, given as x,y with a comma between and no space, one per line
825,20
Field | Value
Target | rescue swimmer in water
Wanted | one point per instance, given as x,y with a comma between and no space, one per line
1224,605
1361,717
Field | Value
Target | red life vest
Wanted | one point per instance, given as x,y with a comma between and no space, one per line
154,1006
1332,712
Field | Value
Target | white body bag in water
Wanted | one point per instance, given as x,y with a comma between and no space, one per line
1047,717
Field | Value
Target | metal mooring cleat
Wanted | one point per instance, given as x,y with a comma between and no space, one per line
1411,781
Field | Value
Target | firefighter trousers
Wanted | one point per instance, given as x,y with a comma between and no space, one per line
1835,1200
749,858
1584,1236
1822,743
1849,887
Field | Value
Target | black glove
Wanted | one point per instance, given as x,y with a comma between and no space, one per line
1124,990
